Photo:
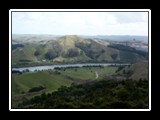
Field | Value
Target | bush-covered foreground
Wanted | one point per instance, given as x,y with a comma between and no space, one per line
104,94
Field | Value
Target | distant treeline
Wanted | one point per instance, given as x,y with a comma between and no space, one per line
14,46
69,67
16,72
20,72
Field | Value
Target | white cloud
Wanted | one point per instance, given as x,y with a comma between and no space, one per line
117,23
130,17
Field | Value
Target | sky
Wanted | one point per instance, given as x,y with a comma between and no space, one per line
80,23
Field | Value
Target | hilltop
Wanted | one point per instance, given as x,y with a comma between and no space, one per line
71,49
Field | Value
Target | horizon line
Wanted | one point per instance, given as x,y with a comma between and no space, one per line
74,34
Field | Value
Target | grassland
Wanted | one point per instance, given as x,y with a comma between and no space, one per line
22,83
52,80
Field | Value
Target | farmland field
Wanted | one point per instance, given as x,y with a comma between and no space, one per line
53,79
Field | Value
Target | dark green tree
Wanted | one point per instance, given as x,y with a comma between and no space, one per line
50,54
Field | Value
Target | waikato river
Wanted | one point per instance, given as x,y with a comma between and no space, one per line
64,66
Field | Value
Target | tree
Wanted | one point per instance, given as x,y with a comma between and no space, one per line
36,53
123,94
57,72
130,85
27,70
35,89
124,72
114,56
72,53
51,54
102,51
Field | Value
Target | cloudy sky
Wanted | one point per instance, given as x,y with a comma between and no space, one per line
80,23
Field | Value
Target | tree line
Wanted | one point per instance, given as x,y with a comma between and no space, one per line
104,94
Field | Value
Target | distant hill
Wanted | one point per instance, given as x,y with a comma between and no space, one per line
31,38
102,37
71,49
118,37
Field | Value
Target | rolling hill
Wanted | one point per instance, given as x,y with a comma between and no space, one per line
117,37
135,71
72,49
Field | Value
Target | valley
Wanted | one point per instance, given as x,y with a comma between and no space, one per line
54,79
79,60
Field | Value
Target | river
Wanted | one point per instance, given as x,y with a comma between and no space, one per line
63,66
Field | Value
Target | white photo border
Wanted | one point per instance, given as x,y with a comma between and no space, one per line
79,10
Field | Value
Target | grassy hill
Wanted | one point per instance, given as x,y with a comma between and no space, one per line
135,71
51,80
72,49
22,83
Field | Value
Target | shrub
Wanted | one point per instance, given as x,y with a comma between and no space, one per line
36,89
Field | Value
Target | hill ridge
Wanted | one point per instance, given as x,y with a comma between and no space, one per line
73,49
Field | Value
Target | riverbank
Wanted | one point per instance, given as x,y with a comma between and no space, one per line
63,63
47,67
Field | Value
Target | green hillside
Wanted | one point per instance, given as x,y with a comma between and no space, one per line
24,82
73,49
135,71
51,80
